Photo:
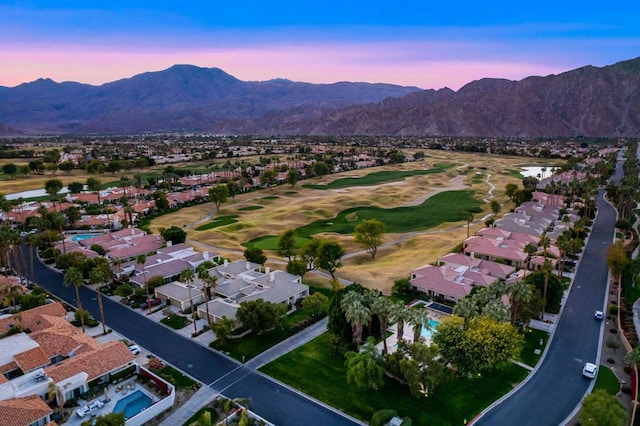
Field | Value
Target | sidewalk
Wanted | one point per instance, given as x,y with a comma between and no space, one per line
202,397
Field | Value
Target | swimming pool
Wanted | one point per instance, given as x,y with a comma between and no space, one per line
133,404
83,237
427,332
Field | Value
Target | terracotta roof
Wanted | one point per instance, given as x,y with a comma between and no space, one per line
33,318
62,338
97,363
23,411
31,359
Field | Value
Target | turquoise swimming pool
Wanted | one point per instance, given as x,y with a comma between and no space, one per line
80,237
427,332
133,404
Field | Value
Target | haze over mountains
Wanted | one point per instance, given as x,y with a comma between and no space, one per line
588,101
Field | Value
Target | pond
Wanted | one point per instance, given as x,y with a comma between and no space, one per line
534,171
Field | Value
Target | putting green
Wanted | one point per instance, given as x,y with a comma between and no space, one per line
218,221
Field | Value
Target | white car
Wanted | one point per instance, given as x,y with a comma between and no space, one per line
135,349
599,315
590,370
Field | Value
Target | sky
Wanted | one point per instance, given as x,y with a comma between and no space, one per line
425,43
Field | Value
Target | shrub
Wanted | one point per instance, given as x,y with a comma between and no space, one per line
613,310
614,331
382,417
611,360
612,343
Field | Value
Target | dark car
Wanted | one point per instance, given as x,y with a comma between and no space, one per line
152,302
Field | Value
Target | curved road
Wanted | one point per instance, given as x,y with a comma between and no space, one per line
272,401
557,386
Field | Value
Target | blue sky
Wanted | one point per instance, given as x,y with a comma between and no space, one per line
420,43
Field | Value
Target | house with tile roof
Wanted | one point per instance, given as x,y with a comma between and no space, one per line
509,251
449,282
26,411
238,283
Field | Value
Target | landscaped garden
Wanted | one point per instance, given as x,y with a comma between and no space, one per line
175,377
532,338
452,403
607,381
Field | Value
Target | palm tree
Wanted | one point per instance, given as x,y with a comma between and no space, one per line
466,308
53,187
418,318
100,276
519,293
94,185
356,314
382,307
74,277
633,357
546,268
141,260
30,240
208,281
54,392
399,315
11,292
186,276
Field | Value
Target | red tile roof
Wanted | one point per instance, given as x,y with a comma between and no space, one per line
33,318
23,411
31,359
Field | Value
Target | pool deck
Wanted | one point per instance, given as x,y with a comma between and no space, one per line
392,341
114,397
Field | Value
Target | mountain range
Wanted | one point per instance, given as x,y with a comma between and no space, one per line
588,101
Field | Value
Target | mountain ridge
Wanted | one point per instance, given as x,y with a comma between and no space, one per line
590,101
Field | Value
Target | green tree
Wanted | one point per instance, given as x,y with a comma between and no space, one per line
124,290
383,308
601,409
482,345
259,315
554,288
53,187
519,293
329,255
141,260
268,178
32,300
234,189
218,195
111,419
286,243
495,207
617,260
369,233
293,176
317,304
364,368
94,185
421,368
175,235
101,276
320,168
10,169
510,190
67,166
74,277
297,267
223,329
310,252
187,276
255,255
356,313
75,187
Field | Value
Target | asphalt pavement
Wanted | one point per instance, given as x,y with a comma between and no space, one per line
273,401
553,391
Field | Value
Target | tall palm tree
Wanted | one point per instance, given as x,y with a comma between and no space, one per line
100,276
10,294
141,260
418,318
186,277
519,293
546,268
382,307
74,277
31,241
53,187
54,392
356,314
94,185
399,314
208,281
466,308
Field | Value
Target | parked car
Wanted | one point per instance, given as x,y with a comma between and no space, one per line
599,315
590,370
152,302
135,349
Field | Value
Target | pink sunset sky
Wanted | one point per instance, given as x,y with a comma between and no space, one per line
423,44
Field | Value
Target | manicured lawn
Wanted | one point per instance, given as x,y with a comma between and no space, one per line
449,206
514,173
250,208
270,197
607,380
290,192
319,371
175,321
270,242
377,178
218,221
206,416
253,344
531,342
178,379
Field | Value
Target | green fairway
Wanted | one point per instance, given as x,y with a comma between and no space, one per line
270,197
514,173
449,206
607,381
377,178
270,242
218,221
249,208
318,370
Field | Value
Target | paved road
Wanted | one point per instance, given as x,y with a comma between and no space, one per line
557,387
274,402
